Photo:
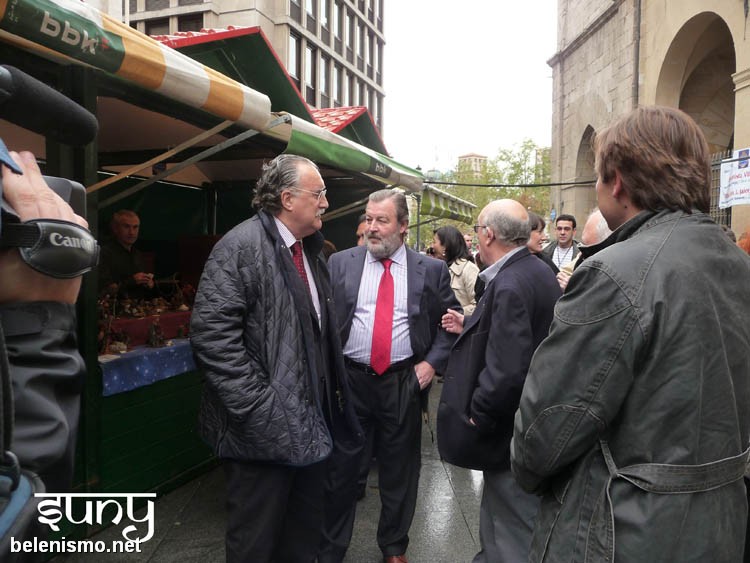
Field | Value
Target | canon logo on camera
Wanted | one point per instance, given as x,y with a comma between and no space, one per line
56,239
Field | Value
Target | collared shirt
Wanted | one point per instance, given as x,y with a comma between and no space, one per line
489,273
359,344
289,240
563,256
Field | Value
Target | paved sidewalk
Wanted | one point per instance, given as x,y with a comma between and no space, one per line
190,521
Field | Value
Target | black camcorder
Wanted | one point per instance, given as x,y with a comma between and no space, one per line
57,248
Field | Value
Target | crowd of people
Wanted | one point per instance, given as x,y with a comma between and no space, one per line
602,387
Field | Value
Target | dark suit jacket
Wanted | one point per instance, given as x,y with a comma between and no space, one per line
429,295
489,361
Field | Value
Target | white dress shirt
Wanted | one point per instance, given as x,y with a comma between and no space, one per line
289,240
359,344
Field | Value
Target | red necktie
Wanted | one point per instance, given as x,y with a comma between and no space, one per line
382,332
299,262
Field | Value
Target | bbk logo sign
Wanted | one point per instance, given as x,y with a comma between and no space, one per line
67,34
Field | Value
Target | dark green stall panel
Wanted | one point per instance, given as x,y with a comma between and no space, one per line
149,438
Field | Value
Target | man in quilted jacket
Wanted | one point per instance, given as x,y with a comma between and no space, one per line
275,401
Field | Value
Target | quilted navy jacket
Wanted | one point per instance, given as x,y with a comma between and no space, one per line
248,329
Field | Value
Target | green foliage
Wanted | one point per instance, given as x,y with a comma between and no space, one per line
525,163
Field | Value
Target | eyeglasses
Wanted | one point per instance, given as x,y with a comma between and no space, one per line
477,227
318,194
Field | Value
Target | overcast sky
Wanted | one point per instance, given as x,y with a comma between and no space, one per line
466,77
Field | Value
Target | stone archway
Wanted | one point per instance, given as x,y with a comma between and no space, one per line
696,76
586,195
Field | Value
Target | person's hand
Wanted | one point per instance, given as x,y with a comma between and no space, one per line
144,279
452,321
425,372
562,279
31,198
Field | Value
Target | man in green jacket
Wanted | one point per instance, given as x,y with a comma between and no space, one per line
633,422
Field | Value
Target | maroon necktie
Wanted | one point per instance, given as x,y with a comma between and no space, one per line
300,263
382,332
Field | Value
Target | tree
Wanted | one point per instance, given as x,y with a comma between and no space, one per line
526,163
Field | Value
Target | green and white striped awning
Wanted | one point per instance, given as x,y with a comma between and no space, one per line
74,32
438,203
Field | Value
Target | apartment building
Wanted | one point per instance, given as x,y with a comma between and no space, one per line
332,49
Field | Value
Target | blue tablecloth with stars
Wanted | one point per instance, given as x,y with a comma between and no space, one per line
144,365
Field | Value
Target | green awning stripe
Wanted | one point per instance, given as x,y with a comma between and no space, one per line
322,146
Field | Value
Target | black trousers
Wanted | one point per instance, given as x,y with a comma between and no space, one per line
388,405
275,512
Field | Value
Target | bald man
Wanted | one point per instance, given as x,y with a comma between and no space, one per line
486,372
594,231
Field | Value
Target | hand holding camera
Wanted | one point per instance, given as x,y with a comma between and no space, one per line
31,198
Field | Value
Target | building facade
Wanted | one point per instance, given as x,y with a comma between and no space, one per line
615,55
332,49
473,163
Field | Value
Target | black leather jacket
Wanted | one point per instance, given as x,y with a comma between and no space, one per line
634,418
250,331
47,376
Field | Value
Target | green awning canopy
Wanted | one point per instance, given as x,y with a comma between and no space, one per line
438,203
256,93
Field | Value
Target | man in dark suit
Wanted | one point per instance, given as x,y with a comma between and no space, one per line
275,405
389,300
486,373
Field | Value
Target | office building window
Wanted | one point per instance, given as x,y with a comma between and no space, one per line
338,73
324,13
351,96
350,27
325,97
325,64
370,58
337,31
379,74
312,15
189,2
190,22
156,5
295,10
361,41
311,75
157,27
294,59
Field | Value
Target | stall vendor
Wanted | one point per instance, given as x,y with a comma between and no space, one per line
121,266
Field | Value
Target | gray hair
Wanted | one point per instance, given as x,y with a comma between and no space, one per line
399,200
278,175
507,228
122,213
602,229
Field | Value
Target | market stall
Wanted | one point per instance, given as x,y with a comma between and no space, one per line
180,143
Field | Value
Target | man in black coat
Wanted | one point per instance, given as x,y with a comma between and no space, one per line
387,376
486,373
275,404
